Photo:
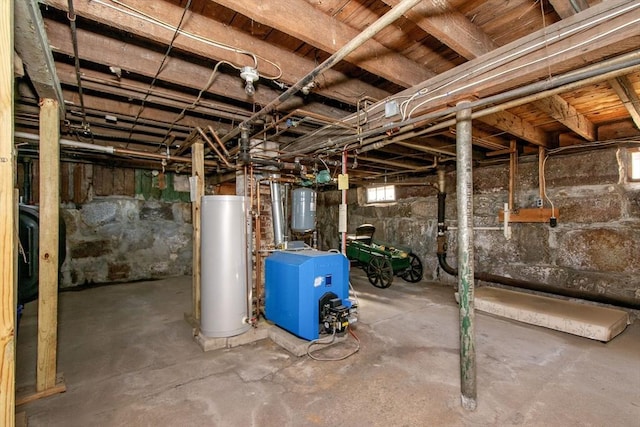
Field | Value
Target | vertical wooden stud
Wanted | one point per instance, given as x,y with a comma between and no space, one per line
49,235
7,220
197,170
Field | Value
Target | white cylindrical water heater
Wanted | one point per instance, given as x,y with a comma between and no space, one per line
226,259
303,212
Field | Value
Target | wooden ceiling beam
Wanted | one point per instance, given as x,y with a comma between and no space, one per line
627,94
427,148
32,46
578,41
123,88
100,106
139,60
334,84
328,34
567,8
485,139
452,28
515,126
441,20
393,163
566,114
127,109
621,85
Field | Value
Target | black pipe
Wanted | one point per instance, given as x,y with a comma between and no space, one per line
442,196
517,283
442,238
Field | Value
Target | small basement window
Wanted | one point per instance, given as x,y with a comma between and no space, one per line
382,194
634,165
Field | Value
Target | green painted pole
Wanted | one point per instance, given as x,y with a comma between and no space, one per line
464,174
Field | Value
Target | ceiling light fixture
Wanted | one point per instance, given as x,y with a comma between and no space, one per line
250,75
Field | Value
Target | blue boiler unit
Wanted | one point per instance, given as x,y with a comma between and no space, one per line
306,292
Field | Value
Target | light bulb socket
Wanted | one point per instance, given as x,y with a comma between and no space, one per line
249,75
249,89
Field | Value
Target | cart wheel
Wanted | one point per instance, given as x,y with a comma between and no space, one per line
413,273
380,272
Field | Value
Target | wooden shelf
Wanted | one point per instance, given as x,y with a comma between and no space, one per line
530,215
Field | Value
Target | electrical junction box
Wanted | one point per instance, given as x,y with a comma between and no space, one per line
295,282
391,109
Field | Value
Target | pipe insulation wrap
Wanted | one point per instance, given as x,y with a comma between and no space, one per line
68,143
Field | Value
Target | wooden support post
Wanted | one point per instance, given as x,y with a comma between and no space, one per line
7,221
197,170
49,235
464,176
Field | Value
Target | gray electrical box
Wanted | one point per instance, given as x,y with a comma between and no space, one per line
391,109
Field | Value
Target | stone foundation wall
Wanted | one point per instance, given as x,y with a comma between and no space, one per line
595,247
117,238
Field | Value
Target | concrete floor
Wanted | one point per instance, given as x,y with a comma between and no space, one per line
128,359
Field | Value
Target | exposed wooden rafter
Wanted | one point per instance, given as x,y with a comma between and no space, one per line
32,46
621,85
323,32
456,31
334,85
627,94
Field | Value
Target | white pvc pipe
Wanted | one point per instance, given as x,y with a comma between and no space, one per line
68,143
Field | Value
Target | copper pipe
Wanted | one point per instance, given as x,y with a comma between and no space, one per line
214,148
127,152
215,136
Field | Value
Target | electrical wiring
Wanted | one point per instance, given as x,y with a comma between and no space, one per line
71,16
601,144
131,11
331,341
324,163
160,67
514,55
194,104
544,187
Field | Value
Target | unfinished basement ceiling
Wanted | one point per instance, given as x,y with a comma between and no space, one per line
147,87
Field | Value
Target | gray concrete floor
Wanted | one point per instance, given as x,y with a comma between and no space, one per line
128,359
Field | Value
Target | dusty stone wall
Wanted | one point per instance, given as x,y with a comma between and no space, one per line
118,238
595,247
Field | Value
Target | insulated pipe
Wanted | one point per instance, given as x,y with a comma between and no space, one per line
114,150
464,177
276,210
605,70
391,16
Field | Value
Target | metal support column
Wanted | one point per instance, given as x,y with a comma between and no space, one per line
464,174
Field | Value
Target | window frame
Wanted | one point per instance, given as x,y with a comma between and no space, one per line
381,198
633,165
